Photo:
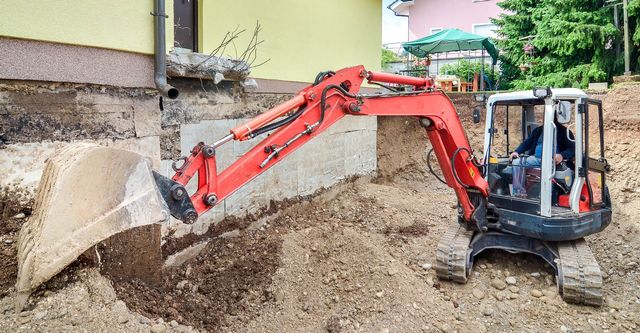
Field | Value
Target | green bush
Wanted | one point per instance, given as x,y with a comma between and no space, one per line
387,57
465,68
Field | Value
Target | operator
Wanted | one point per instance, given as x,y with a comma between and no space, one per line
565,150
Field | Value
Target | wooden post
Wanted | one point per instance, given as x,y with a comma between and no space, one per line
482,88
627,56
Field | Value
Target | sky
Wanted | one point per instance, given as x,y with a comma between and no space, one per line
394,28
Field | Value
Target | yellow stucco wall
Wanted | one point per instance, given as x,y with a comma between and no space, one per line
301,37
114,24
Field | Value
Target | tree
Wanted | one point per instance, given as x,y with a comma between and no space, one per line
571,39
634,32
388,56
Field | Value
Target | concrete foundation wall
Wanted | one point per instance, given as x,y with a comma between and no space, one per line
38,118
347,149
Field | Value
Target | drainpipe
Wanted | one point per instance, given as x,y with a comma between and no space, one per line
160,73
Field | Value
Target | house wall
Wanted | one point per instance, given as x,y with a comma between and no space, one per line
123,25
301,38
425,15
80,41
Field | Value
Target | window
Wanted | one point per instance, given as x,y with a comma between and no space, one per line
485,29
435,30
185,23
519,178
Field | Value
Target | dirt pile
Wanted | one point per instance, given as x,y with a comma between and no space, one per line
86,302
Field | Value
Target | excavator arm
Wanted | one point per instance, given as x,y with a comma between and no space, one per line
331,97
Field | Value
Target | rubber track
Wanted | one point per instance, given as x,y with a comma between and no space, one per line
451,254
579,273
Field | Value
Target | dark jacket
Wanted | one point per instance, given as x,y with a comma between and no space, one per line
565,147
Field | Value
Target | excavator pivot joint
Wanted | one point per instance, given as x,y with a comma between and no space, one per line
211,199
208,151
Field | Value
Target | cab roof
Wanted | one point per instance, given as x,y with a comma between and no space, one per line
560,93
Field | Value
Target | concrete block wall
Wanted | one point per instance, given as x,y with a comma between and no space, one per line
346,149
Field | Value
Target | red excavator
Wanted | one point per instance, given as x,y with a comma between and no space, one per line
545,209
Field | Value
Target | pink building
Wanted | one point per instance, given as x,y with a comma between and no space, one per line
427,17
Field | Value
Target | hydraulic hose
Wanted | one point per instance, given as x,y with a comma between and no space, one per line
323,98
453,166
431,169
322,75
270,127
277,124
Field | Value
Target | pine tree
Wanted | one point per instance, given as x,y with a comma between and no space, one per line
572,40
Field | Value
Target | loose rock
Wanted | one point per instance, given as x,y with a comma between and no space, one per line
181,284
426,266
158,328
498,284
477,293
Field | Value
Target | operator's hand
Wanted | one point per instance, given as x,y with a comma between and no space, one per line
558,158
513,156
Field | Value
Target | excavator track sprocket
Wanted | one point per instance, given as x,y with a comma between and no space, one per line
579,276
452,254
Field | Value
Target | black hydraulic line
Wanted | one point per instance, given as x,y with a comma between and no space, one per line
322,75
277,124
431,169
386,86
453,166
270,127
323,98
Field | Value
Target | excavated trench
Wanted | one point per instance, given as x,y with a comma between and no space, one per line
359,257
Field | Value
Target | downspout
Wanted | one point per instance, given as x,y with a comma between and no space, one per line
160,72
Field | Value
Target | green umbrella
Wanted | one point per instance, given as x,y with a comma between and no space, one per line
450,40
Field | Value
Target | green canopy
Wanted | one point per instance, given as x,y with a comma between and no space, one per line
450,40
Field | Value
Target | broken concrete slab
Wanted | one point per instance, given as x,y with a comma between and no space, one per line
87,194
205,66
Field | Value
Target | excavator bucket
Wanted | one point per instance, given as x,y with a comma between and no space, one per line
87,194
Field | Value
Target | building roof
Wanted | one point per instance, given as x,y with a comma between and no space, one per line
401,7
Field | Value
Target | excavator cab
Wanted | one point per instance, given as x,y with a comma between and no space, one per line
550,198
538,203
